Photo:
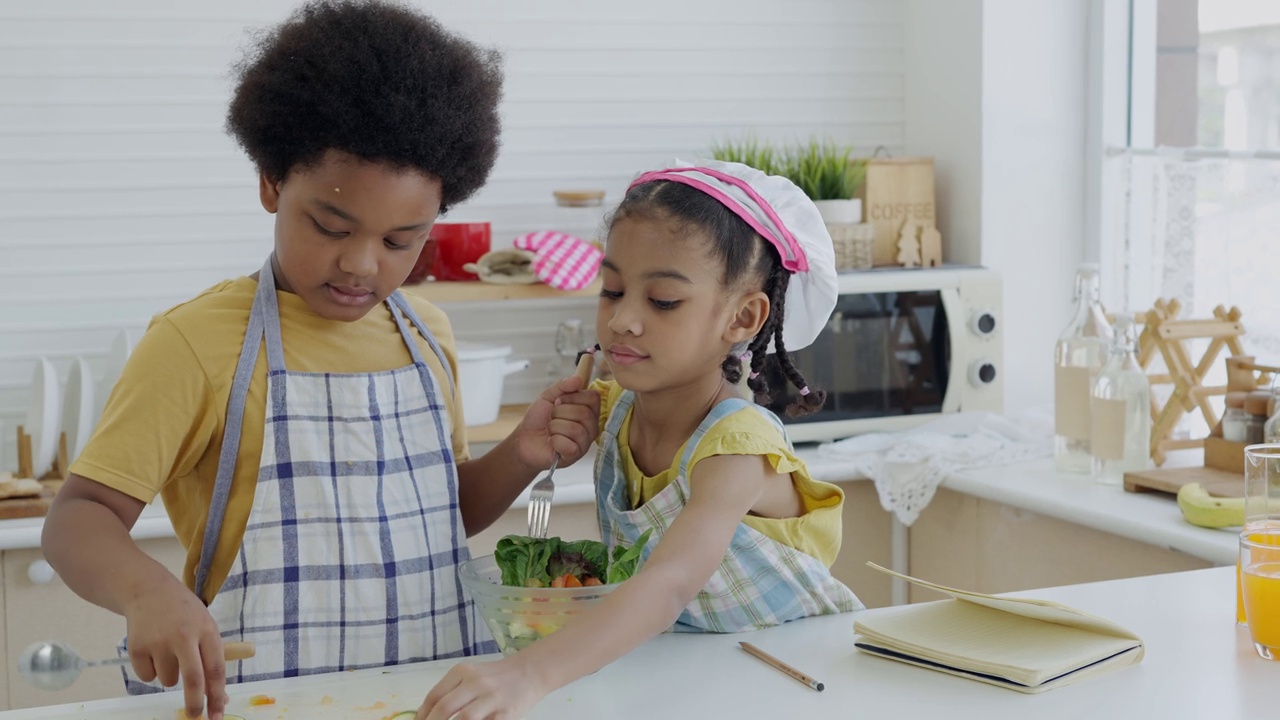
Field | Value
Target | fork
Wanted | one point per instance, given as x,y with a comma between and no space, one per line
542,491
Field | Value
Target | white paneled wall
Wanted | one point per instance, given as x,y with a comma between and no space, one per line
120,194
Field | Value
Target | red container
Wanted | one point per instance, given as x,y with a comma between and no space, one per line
422,268
457,244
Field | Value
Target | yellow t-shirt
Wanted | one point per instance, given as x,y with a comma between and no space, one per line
816,532
161,430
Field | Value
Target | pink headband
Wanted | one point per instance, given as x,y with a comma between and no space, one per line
793,257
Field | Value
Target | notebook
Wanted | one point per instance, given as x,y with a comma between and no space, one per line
1021,644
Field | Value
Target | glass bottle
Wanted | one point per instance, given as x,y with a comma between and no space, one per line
1078,356
1271,428
569,340
1120,410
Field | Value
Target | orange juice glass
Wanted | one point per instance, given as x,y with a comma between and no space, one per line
1261,506
1260,575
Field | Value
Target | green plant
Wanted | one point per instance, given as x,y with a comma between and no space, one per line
750,152
824,170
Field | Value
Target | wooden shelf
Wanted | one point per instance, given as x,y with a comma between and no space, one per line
509,417
439,292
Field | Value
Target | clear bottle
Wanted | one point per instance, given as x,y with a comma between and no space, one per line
1271,428
1120,410
569,341
1078,356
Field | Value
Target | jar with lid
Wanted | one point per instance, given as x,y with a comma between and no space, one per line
580,213
1256,409
1235,421
1271,429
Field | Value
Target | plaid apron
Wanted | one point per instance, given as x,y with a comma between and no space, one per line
760,582
350,555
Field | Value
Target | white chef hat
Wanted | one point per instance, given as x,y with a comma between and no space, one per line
783,215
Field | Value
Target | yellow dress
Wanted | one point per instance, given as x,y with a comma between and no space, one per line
816,532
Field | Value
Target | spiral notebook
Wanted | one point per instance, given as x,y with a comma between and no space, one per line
1017,643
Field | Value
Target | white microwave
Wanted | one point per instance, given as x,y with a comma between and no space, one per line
902,347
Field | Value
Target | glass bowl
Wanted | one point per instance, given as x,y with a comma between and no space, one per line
519,616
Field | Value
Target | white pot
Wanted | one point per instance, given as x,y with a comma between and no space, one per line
482,372
840,212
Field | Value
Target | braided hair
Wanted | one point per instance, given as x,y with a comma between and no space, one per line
748,262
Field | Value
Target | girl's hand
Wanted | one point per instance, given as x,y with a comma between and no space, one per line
500,689
173,638
564,419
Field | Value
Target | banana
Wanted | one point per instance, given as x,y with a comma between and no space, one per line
1200,508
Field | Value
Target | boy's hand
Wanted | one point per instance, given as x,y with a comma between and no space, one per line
500,689
173,637
564,419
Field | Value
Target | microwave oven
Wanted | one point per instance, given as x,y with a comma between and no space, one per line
902,347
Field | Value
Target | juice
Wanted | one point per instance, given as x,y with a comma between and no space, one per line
1268,536
1262,601
1240,616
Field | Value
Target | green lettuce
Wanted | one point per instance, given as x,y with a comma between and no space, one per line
533,562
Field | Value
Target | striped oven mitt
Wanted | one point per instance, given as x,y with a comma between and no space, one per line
560,260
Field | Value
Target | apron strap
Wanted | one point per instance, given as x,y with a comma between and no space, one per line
265,294
722,410
401,309
618,413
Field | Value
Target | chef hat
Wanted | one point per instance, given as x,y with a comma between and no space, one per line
561,260
783,215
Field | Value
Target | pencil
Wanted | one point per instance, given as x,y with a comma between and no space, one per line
778,664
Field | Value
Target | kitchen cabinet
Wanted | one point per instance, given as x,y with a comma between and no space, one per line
977,544
38,606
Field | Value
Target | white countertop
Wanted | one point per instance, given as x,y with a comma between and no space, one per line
1198,664
25,532
1152,518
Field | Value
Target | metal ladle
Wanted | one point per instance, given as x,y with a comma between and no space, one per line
54,665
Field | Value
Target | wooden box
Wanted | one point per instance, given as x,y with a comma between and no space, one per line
1223,454
895,191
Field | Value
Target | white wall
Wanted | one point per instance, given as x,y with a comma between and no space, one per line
944,114
120,195
1017,172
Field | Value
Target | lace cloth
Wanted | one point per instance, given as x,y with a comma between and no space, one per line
908,466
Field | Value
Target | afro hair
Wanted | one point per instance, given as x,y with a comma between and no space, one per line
374,79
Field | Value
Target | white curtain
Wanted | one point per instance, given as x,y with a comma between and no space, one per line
1206,232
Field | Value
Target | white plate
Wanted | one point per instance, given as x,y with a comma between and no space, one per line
42,417
120,350
78,407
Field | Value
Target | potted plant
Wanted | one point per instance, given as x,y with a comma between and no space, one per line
831,179
750,152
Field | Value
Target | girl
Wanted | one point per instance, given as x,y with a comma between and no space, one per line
704,267
303,424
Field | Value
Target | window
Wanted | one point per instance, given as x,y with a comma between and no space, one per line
1197,212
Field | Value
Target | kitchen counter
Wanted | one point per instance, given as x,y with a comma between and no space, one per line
25,532
1035,486
1151,518
1198,664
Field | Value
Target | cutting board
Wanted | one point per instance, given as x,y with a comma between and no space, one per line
1218,483
28,507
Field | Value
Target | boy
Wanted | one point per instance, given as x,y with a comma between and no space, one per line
302,424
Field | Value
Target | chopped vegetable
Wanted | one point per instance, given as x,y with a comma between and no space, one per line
551,562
